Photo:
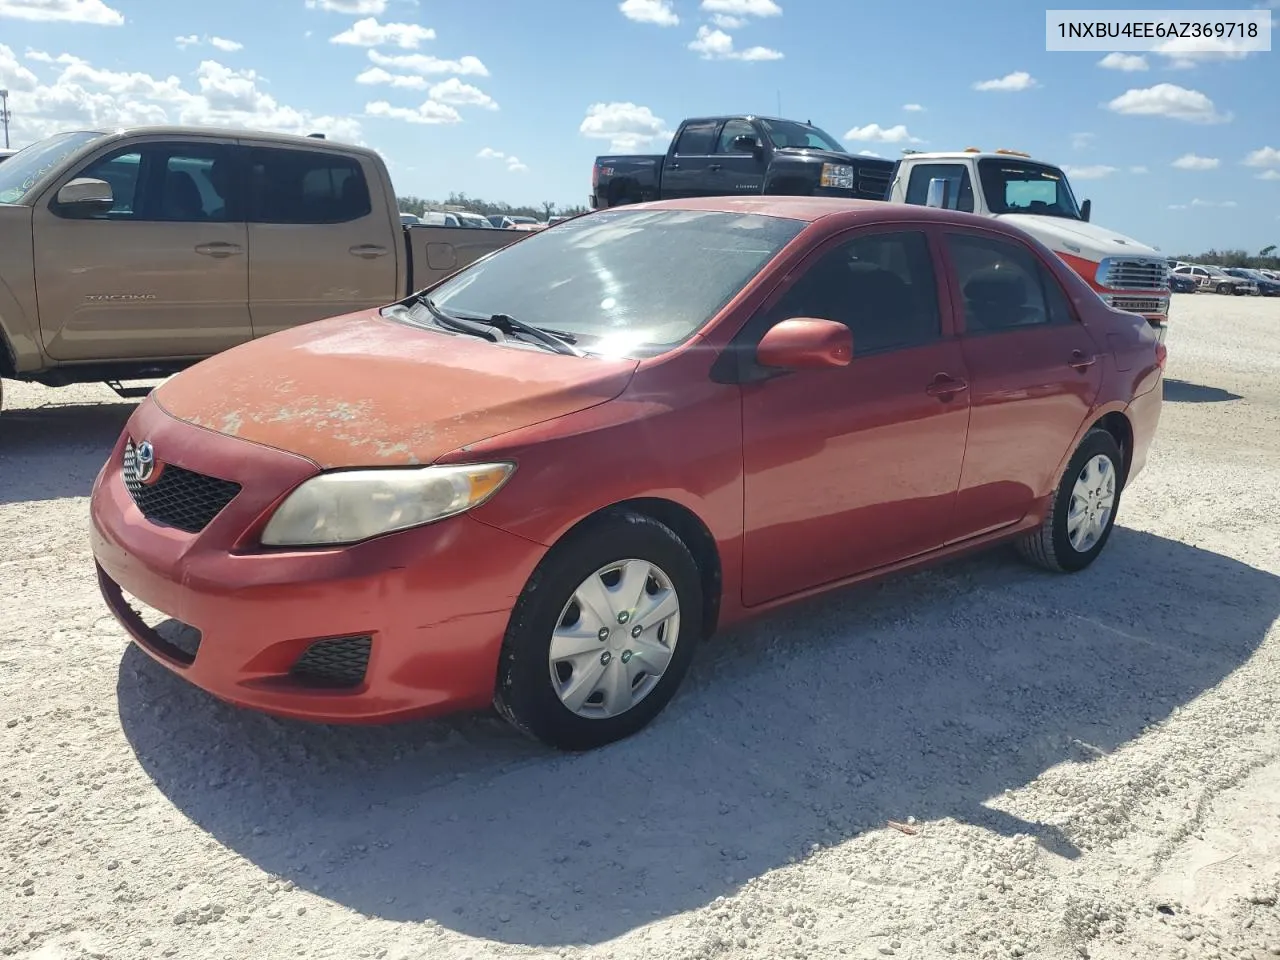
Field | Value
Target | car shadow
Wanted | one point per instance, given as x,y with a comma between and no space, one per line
923,696
1181,391
56,451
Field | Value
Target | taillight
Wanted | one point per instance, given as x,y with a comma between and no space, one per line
595,175
1162,353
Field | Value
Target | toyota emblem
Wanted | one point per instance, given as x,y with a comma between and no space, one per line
146,460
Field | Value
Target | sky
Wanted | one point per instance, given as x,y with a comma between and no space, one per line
512,99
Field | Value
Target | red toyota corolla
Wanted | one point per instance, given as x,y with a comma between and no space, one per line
542,482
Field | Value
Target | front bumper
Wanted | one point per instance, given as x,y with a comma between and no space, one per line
433,602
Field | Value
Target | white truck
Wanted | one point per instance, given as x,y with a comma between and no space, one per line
1036,196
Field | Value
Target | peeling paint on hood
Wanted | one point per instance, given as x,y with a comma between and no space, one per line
360,390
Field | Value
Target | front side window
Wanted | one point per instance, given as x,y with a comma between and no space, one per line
881,286
623,282
1014,186
733,129
305,187
167,182
1004,286
960,187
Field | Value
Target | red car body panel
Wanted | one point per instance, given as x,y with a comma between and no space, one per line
801,482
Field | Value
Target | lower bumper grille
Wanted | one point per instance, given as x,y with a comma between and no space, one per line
177,497
336,662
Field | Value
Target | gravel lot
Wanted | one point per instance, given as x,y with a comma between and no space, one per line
1090,764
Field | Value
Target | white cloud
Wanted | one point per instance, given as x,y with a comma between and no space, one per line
68,11
717,45
743,8
1126,62
1094,172
370,33
726,22
1081,141
1168,100
456,93
421,63
515,166
874,133
1184,53
429,113
913,108
375,75
374,7
1263,157
488,153
13,74
226,46
657,12
1010,82
190,40
1177,206
868,153
627,126
1269,175
1138,170
1211,203
1190,161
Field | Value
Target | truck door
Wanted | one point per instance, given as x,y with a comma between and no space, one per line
737,169
686,171
163,273
319,245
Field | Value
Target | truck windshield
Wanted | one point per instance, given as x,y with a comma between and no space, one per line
622,283
1013,186
25,168
788,133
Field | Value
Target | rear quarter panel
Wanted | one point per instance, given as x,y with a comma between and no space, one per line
19,316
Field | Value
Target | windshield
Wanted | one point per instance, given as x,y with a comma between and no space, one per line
622,281
788,133
474,221
1013,186
25,168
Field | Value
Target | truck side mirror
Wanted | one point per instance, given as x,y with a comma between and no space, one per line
745,144
1086,209
939,194
85,196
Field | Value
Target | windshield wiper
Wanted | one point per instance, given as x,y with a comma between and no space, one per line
559,342
460,324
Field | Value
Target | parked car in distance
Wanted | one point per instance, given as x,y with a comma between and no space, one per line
131,254
410,219
393,513
1213,278
474,221
1263,285
739,155
1183,283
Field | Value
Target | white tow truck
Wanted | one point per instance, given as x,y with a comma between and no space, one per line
1036,196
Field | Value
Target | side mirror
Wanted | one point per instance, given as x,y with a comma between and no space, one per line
1086,209
939,194
744,144
804,343
93,195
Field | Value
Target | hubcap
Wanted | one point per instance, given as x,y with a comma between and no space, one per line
1092,499
597,671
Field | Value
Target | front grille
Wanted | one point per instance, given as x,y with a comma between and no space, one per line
1139,305
337,662
1133,273
177,498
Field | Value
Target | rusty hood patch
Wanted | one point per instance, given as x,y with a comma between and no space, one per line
360,390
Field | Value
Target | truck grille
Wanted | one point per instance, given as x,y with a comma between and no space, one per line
1133,273
177,497
1139,305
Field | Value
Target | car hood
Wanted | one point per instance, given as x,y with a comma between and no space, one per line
1080,238
361,390
823,156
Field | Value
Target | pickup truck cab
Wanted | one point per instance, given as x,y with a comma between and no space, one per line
129,255
739,156
1036,196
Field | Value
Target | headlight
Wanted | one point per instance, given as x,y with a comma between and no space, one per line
353,505
837,175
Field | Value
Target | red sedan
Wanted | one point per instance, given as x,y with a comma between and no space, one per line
542,482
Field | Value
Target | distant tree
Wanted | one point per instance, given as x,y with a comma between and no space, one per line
1268,251
542,211
1266,258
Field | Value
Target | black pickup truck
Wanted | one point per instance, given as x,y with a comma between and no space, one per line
740,155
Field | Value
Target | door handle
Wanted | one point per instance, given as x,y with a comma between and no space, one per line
367,250
673,166
1080,362
713,166
945,387
219,249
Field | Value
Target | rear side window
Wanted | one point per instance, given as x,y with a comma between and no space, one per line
957,176
1004,286
881,286
697,138
305,186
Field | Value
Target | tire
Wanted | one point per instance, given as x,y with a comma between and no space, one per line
529,687
1050,546
1224,288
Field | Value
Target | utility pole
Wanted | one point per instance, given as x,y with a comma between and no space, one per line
4,115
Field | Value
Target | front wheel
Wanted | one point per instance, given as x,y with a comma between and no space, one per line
1083,510
602,635
1224,288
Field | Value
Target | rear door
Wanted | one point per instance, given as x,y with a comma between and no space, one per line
736,171
1034,373
687,169
163,273
318,245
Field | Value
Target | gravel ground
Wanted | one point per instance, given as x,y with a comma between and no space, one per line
1085,766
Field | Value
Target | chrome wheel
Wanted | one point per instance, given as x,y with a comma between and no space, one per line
614,639
1093,498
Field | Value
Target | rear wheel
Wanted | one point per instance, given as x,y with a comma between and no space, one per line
602,635
1082,512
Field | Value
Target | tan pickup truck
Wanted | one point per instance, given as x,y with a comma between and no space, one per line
131,254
